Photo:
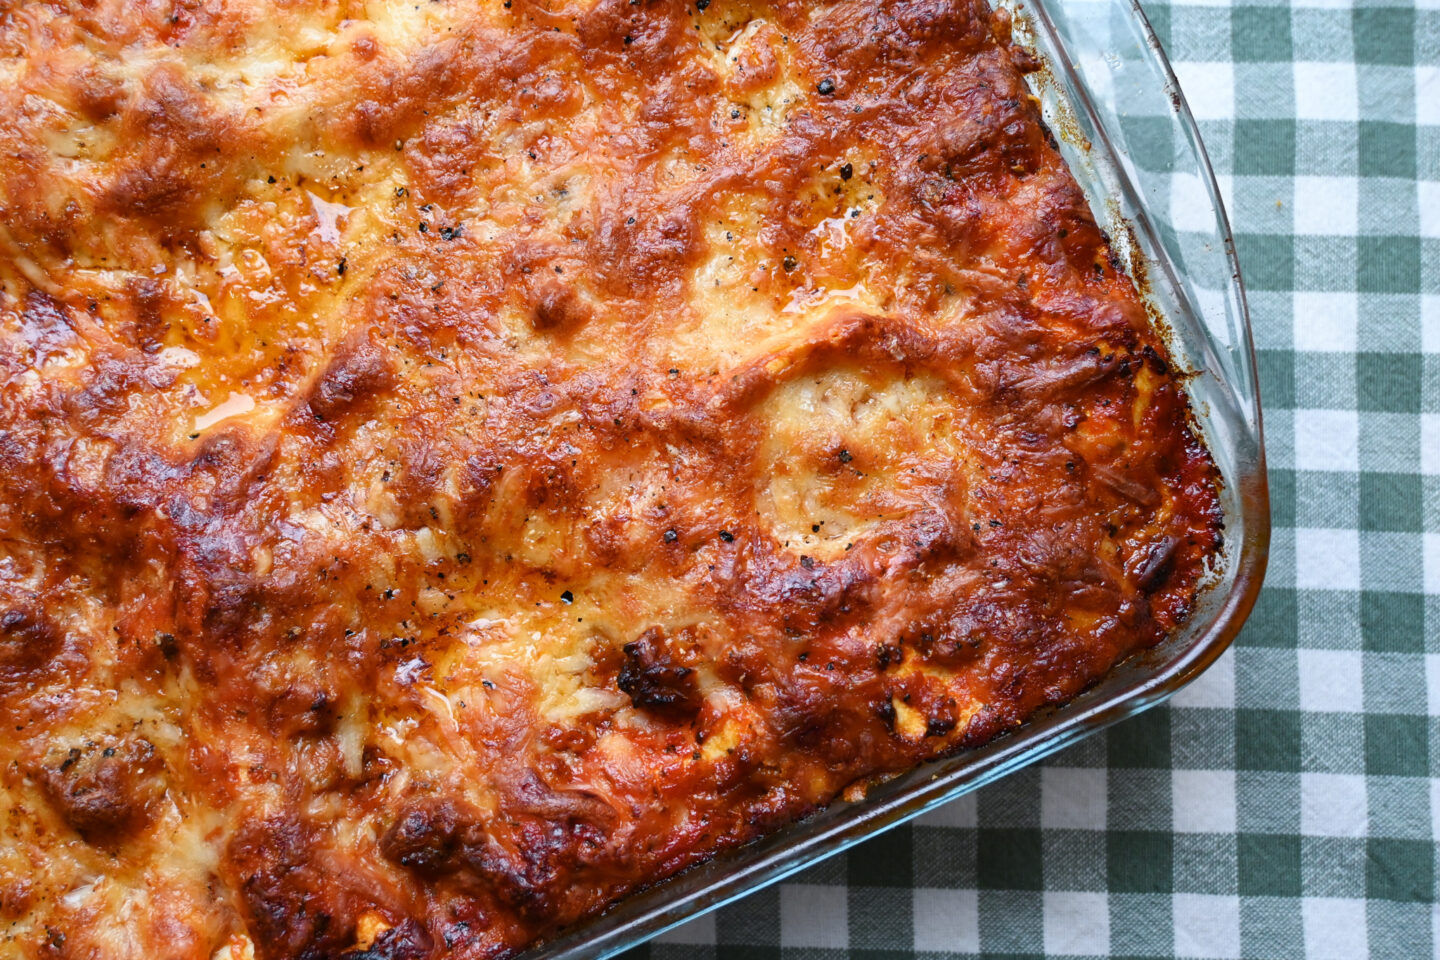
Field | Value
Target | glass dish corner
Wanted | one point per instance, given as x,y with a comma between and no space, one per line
1113,103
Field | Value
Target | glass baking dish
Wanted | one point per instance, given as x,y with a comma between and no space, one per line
1111,99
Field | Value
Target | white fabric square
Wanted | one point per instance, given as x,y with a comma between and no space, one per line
1432,563
1203,801
1326,91
1213,688
1327,559
1333,805
1073,798
1429,205
946,921
1206,926
1334,928
1190,207
1432,693
1330,681
962,812
814,915
1325,322
1326,206
1327,440
1209,88
1430,323
1430,444
1076,923
700,931
1427,94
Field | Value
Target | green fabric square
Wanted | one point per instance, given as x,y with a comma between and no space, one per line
1139,799
1282,496
1396,745
674,951
1384,35
944,857
1277,377
879,917
1269,865
1149,140
1430,378
1268,260
1332,743
1267,802
1203,738
1387,149
1388,264
1139,861
1012,802
1394,683
1321,36
1427,148
1400,929
1430,503
1205,863
1008,860
1392,561
756,922
1324,381
1399,869
1388,381
1333,866
1392,622
1271,926
1266,678
1073,860
1142,741
1011,922
1399,807
1390,501
1325,498
747,951
1260,33
1325,148
1264,147
1273,622
1141,925
885,861
1201,33
1267,740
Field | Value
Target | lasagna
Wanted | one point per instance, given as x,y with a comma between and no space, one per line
462,461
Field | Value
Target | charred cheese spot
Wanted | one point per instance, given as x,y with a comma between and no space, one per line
104,790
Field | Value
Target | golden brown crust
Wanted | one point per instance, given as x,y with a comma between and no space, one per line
462,462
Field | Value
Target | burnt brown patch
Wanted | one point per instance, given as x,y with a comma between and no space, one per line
658,674
105,790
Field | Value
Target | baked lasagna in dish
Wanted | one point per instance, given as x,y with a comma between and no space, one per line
462,461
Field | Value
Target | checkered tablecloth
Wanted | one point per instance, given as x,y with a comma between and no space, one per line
1283,805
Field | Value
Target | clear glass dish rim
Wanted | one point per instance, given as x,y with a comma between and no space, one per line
738,873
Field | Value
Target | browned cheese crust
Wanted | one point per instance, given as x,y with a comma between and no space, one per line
462,460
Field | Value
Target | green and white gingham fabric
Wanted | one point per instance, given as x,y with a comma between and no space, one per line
1287,804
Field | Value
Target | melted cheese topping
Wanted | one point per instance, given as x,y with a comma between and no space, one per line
462,462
